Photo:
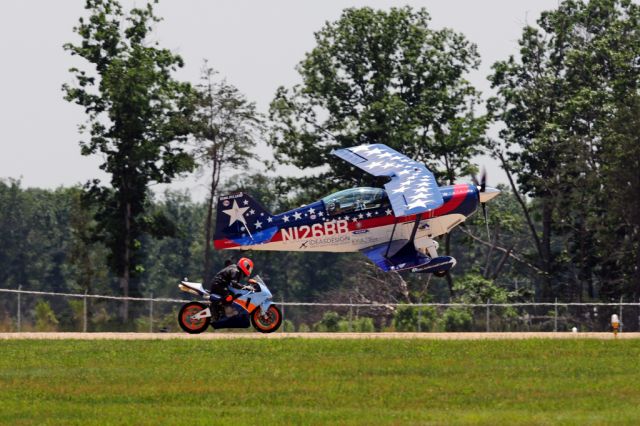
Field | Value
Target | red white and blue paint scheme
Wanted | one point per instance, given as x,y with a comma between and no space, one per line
394,226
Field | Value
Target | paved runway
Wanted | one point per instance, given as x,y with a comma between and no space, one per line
255,335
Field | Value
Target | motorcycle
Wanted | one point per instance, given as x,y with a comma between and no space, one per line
252,305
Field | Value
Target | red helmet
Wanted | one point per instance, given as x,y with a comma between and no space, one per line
246,265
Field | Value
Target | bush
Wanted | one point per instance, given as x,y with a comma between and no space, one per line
330,322
406,318
457,319
304,328
364,325
288,326
45,317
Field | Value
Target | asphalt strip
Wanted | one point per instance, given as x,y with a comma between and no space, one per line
335,336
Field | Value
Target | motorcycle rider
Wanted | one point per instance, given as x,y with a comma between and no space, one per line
229,276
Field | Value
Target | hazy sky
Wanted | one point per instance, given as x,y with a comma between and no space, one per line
254,44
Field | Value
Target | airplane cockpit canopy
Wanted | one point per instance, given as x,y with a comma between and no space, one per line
355,199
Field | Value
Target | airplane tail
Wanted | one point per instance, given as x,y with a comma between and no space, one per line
242,221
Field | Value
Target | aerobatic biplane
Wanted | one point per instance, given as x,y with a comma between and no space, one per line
395,227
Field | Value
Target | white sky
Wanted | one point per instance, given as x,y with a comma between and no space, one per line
254,44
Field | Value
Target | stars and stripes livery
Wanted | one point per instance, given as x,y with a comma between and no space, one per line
395,227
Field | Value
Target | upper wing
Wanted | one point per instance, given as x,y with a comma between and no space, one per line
412,188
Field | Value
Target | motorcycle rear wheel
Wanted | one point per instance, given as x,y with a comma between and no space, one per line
269,322
188,324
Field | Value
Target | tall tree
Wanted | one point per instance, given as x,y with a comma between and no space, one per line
138,115
561,101
226,128
381,77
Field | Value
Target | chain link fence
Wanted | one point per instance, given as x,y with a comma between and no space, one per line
22,310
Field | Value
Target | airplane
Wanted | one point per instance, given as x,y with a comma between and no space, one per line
394,226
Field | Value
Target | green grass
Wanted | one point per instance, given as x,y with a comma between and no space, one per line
320,381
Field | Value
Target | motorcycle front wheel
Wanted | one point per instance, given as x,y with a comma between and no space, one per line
187,323
269,322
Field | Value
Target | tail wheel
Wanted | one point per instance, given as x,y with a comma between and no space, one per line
267,322
189,324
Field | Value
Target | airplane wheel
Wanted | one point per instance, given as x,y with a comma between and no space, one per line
269,322
188,324
440,274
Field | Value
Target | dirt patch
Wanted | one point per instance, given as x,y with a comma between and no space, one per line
250,335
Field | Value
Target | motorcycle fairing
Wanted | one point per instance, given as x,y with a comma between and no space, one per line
249,301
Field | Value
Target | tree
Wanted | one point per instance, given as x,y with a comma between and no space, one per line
561,102
380,77
138,116
226,128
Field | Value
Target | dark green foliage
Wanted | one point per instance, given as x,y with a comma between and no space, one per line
569,102
407,318
137,117
457,319
330,322
380,77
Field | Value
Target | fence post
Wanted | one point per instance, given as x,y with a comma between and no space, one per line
555,315
620,316
350,314
419,314
488,314
84,312
151,314
19,312
283,317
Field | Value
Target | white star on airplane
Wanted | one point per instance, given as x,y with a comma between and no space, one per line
285,218
236,213
297,215
258,225
312,210
245,202
269,219
418,203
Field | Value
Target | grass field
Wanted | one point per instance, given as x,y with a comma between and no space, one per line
320,381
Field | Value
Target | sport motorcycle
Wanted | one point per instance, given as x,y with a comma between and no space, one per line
252,305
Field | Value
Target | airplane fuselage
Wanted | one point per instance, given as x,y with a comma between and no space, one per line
315,227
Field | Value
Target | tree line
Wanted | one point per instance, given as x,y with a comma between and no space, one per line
567,226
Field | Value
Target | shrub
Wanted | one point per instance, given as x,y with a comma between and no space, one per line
304,328
45,317
457,319
288,326
406,318
330,322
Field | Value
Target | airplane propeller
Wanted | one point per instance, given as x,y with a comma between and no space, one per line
485,195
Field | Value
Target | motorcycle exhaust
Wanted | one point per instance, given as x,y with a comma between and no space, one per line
188,289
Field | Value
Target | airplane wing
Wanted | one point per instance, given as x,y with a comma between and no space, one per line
412,188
